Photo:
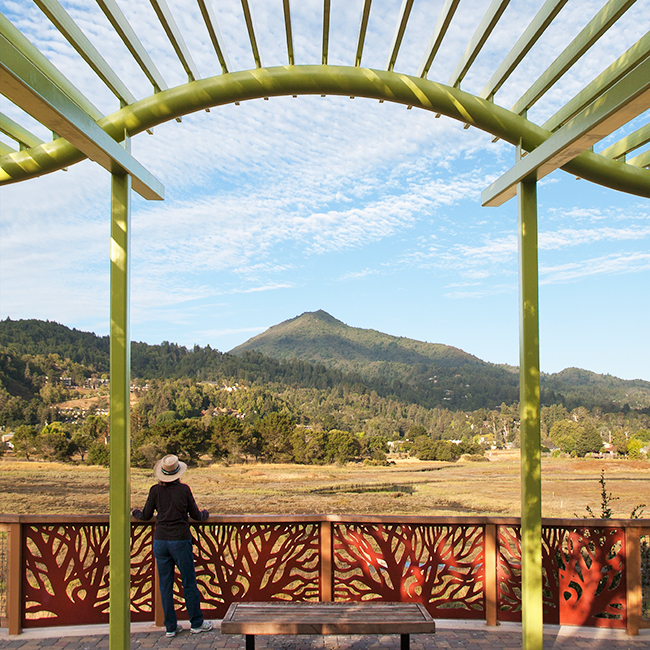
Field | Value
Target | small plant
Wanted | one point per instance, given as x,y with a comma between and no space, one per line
606,499
638,511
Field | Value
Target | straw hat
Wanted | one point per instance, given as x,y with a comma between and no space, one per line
169,468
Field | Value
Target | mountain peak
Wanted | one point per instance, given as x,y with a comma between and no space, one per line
319,315
319,337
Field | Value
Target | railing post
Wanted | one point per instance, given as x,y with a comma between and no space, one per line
633,579
326,562
158,614
491,556
15,578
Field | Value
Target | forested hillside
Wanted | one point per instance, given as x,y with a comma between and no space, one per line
432,373
202,403
414,372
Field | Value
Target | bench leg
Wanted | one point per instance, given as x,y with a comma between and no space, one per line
250,642
405,643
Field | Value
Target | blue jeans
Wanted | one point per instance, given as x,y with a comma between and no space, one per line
177,553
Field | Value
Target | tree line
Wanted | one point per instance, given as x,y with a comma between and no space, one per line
208,422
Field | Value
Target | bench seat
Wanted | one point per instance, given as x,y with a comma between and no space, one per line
251,619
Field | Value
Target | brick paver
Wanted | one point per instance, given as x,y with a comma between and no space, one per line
445,638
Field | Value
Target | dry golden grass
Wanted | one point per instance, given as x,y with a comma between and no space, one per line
439,488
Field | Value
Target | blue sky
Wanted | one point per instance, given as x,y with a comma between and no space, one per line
369,211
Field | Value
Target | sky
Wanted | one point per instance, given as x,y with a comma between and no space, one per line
368,211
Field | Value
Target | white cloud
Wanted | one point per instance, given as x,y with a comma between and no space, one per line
263,197
358,275
614,264
568,237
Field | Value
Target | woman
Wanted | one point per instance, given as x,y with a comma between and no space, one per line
172,543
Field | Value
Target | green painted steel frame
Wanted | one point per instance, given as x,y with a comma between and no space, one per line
120,429
324,80
529,398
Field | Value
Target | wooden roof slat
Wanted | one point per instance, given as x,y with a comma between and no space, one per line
531,35
596,27
88,52
638,53
404,13
175,38
444,20
482,33
363,26
123,28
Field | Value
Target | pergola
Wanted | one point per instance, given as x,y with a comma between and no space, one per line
615,97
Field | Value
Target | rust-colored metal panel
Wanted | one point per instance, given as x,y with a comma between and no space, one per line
509,574
584,575
592,578
255,562
441,567
66,578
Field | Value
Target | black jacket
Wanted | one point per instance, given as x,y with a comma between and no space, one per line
173,502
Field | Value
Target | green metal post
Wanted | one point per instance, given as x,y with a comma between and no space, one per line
120,479
531,467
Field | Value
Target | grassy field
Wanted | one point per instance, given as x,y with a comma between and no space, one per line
421,488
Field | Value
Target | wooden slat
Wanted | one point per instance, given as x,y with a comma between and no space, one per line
327,618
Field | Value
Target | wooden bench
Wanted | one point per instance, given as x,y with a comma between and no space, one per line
252,619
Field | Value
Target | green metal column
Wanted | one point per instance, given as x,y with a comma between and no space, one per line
531,466
120,478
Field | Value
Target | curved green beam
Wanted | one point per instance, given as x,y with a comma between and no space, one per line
324,80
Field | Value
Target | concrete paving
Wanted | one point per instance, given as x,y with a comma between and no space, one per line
461,635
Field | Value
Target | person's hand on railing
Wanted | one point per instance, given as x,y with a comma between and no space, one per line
137,514
204,515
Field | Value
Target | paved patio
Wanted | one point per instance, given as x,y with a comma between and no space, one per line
450,634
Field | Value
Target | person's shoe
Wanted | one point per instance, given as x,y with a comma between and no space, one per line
206,626
173,633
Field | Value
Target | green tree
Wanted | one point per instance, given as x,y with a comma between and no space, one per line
619,440
82,440
275,431
229,436
634,448
96,426
53,443
187,439
25,442
329,422
588,440
564,434
98,454
415,431
310,447
342,446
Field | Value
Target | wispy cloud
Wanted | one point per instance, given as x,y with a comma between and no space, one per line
569,237
614,264
358,275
